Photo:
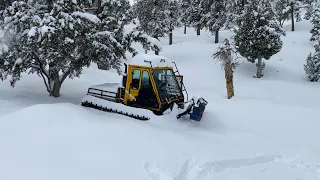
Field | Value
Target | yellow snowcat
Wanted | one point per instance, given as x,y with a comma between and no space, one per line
149,84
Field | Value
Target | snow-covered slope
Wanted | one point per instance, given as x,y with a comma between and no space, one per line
269,130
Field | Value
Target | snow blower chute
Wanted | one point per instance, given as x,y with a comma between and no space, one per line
149,84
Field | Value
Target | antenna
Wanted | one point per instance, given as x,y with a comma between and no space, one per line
148,62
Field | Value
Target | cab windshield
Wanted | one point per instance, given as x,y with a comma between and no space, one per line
167,84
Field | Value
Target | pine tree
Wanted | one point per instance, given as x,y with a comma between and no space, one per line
315,31
174,17
312,67
152,17
195,15
258,35
309,4
282,11
234,8
115,16
184,5
5,3
55,45
214,16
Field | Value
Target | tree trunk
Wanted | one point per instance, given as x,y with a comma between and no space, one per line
99,9
156,52
259,68
102,66
185,29
170,37
56,88
229,80
292,16
198,30
216,39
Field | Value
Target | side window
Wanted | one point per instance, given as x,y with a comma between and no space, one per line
145,83
135,79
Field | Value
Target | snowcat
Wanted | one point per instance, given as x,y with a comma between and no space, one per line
150,85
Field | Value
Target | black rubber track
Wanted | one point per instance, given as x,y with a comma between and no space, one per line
106,109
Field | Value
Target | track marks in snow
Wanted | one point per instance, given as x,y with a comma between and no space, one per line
191,170
221,165
187,171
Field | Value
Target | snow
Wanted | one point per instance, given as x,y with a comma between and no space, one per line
268,130
3,47
111,87
91,17
32,32
146,59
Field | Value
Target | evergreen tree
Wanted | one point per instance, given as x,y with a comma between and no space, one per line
309,6
175,13
115,16
5,3
55,45
195,15
214,16
312,67
234,8
184,13
152,16
258,35
315,31
282,10
174,17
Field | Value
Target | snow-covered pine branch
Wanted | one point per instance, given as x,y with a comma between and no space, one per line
214,16
147,42
227,54
152,16
115,17
56,44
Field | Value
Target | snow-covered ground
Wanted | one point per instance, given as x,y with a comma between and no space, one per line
269,130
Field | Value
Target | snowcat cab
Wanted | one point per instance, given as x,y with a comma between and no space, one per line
149,82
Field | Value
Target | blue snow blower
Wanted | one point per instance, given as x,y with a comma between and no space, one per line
195,109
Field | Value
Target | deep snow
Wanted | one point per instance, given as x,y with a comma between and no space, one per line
269,130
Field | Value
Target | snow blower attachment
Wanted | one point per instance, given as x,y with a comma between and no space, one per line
195,109
149,86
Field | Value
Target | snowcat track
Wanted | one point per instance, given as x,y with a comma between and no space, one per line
106,109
